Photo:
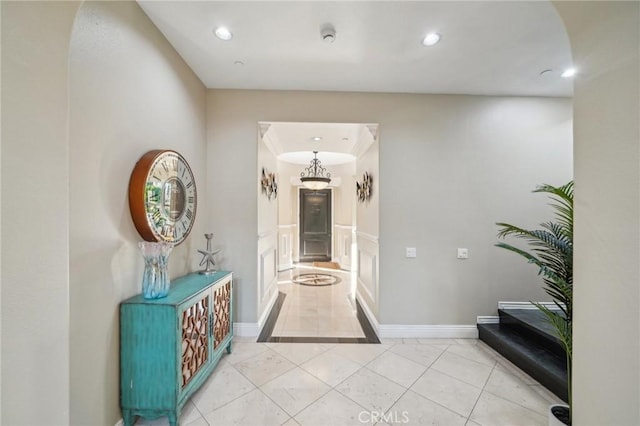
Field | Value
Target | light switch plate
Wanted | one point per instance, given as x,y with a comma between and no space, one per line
463,253
412,252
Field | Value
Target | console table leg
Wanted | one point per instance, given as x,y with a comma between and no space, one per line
127,417
229,348
173,418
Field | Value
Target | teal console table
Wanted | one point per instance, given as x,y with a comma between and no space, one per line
169,346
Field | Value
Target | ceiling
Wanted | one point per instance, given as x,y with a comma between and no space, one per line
487,48
336,143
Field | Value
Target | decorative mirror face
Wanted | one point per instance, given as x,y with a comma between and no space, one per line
169,197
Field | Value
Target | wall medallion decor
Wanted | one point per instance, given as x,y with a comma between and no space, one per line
163,197
269,184
364,189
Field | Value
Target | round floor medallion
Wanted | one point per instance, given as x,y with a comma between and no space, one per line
315,279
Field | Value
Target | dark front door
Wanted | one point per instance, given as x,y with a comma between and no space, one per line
315,225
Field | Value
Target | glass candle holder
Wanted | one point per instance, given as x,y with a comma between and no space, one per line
155,279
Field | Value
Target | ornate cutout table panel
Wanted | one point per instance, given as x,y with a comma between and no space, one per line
169,346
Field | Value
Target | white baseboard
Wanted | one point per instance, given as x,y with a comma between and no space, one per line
367,312
417,331
246,329
429,331
525,305
488,319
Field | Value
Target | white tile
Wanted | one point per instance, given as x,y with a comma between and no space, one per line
548,396
464,369
291,422
332,409
435,341
243,350
474,353
188,415
253,408
331,368
452,393
300,352
413,409
209,397
397,368
199,422
510,387
296,333
467,341
492,410
295,390
371,390
358,352
264,367
422,354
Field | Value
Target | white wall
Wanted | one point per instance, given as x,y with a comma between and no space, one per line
130,92
368,231
267,232
605,39
35,222
450,167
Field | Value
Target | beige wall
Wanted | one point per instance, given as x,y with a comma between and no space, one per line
450,167
129,92
605,39
35,229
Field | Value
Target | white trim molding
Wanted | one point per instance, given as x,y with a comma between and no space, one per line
488,319
372,238
525,305
428,331
367,312
245,329
343,226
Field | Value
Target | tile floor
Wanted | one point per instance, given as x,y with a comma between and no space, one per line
443,382
400,381
317,311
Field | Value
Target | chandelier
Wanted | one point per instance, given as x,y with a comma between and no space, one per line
313,177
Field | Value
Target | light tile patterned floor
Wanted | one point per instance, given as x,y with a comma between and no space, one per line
325,311
400,381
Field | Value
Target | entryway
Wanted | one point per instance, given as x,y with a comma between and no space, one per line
317,233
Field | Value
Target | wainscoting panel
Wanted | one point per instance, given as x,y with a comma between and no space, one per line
343,238
267,269
286,239
367,258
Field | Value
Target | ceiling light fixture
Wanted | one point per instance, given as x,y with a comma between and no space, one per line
316,138
313,177
570,72
431,39
223,33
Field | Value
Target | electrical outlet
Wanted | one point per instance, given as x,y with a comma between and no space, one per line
463,253
411,252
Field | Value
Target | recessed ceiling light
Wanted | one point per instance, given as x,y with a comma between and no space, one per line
316,138
223,33
431,39
238,63
570,72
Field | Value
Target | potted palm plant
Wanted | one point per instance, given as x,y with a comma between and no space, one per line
551,250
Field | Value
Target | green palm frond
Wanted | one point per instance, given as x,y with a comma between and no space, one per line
551,250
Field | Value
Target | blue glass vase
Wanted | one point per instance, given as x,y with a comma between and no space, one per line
155,279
